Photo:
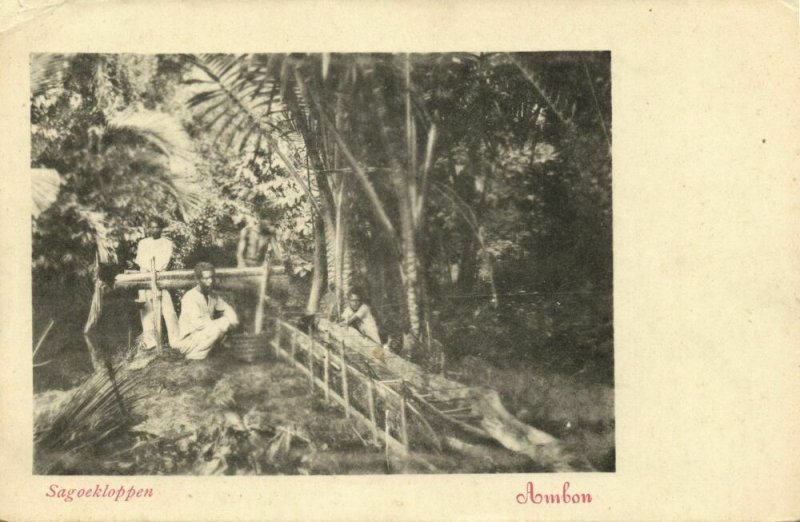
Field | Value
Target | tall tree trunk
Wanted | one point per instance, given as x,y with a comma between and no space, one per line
325,259
409,262
402,181
407,195
342,253
347,266
329,237
318,274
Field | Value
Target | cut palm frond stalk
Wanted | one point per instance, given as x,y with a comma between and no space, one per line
98,411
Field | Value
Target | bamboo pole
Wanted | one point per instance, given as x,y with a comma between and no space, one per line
186,278
276,343
310,352
43,337
262,295
403,426
386,436
345,393
293,344
371,406
155,296
326,373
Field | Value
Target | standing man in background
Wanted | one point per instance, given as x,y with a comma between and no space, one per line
255,241
155,251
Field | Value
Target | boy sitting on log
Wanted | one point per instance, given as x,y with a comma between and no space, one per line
358,316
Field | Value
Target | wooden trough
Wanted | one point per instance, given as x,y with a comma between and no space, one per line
395,398
364,398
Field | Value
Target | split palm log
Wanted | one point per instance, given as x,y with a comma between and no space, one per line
475,412
226,279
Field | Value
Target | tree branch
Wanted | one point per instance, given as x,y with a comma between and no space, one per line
265,127
361,176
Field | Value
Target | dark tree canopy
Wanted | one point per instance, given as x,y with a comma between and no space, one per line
468,195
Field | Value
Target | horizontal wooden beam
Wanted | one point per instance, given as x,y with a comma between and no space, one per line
186,279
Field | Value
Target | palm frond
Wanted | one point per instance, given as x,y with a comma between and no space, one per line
360,174
161,129
45,185
560,108
167,135
99,409
47,71
240,102
238,98
96,221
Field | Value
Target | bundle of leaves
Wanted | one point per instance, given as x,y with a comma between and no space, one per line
99,411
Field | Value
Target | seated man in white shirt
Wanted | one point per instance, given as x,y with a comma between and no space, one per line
200,329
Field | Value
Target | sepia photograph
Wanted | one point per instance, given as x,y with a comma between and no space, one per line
336,261
322,264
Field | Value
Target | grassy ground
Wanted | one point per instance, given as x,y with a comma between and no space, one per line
575,408
551,359
222,416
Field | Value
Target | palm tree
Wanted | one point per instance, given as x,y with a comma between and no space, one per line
165,151
310,103
99,159
370,136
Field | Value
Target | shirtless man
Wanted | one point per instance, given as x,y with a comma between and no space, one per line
358,317
254,243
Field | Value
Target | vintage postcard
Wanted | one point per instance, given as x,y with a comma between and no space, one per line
400,261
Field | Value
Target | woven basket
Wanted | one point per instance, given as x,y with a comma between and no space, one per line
248,347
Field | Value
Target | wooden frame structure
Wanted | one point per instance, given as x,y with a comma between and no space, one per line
328,370
381,404
156,281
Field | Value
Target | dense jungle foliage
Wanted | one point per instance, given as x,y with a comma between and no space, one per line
468,196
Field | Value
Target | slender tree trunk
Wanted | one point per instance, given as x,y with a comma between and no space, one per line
402,183
327,228
347,265
325,260
338,252
329,238
318,275
406,188
342,256
409,262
